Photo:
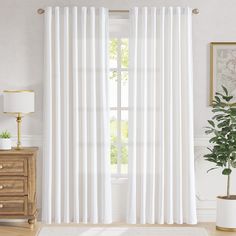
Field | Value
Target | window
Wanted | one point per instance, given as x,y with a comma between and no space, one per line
118,84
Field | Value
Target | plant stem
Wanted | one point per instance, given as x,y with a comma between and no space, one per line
228,182
228,186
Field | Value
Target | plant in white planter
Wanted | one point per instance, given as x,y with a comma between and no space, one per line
223,154
5,141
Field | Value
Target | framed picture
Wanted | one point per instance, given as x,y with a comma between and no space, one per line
223,68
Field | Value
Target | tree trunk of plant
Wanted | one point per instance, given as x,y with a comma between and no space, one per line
228,186
228,182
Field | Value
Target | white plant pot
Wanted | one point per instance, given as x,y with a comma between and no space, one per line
5,144
226,213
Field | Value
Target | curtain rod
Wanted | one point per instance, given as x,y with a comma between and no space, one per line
194,11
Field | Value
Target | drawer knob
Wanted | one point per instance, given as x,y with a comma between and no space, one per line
1,186
1,166
1,205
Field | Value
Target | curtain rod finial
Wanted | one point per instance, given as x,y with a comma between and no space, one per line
195,11
40,11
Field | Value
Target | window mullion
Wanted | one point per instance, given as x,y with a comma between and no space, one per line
119,106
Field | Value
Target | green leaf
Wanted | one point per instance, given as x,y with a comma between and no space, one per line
223,124
209,149
219,164
209,155
228,98
212,169
219,110
233,164
211,122
233,111
226,171
209,131
220,94
212,140
218,116
233,153
207,127
5,135
225,90
211,159
217,99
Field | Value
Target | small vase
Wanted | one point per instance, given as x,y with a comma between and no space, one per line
5,144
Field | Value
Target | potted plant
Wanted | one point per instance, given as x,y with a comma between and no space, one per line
5,141
223,155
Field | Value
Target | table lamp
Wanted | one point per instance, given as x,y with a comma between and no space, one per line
18,103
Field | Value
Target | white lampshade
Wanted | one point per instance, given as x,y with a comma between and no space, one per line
18,101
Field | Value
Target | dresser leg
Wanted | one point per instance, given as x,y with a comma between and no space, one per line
32,222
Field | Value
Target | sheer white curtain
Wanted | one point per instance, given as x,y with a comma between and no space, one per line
161,158
76,176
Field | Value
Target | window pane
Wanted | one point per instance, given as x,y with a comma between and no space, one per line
124,53
113,126
124,126
124,88
113,43
124,159
113,158
113,133
113,88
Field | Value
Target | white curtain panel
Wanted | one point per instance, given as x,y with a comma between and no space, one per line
161,157
76,176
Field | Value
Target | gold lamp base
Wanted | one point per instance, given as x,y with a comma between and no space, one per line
18,121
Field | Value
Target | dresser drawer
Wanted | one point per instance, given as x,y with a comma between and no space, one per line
13,186
12,166
13,205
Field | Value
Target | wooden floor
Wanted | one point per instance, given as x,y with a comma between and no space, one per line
22,229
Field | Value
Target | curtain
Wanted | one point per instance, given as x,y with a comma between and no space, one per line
76,177
161,186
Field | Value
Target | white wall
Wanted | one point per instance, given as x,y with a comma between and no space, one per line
21,66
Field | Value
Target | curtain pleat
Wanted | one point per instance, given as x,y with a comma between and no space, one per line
84,139
151,62
75,112
160,118
103,119
161,185
47,117
66,115
91,89
58,131
76,174
132,166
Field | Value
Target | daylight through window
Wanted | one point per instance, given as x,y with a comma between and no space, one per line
118,85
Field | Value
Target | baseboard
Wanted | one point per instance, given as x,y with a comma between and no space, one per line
206,210
206,215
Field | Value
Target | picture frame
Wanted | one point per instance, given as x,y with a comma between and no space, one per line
222,68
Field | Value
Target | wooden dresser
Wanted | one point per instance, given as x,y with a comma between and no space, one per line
18,184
